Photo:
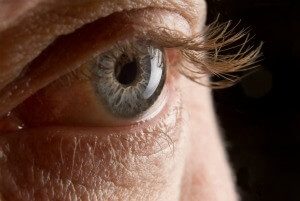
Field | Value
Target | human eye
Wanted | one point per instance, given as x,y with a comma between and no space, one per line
127,84
99,112
149,59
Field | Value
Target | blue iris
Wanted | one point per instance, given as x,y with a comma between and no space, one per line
129,78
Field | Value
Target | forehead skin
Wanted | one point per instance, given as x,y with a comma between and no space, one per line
28,27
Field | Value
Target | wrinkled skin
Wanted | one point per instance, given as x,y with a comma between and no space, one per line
176,155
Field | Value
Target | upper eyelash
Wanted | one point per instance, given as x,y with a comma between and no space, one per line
206,52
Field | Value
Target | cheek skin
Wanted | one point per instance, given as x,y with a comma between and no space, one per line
177,157
142,162
207,173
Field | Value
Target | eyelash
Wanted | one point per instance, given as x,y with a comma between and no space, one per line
219,51
228,54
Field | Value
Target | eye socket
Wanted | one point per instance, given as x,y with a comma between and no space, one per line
129,78
122,86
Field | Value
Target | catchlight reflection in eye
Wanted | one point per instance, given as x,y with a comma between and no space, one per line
129,78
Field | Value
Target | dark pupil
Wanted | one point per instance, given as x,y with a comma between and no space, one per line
126,71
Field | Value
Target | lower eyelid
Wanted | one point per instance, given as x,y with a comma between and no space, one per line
73,101
167,119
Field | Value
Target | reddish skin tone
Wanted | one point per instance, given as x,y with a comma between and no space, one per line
174,155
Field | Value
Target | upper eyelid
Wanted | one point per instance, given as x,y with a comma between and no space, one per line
27,36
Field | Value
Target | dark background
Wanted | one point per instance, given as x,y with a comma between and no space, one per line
260,116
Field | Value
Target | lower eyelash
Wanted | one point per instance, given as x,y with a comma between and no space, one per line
218,50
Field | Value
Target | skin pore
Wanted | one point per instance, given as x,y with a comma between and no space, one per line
79,151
